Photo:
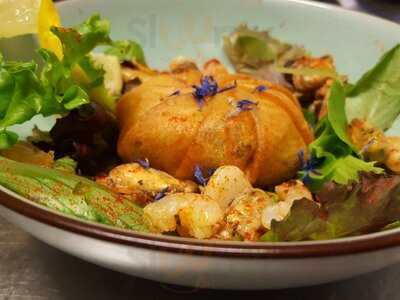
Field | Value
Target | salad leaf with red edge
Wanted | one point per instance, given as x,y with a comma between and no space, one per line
342,210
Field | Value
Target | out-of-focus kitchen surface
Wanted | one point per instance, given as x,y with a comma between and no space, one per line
29,269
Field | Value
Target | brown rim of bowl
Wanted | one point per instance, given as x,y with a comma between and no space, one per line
192,246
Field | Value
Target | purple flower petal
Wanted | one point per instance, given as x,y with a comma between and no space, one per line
208,87
198,175
161,194
245,105
261,88
308,167
144,163
211,172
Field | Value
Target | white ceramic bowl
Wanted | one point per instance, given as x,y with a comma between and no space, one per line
167,28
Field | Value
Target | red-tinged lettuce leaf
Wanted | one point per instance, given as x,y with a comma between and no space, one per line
249,49
343,210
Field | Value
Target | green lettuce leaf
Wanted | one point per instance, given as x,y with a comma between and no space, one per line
63,85
127,50
333,157
332,160
337,113
376,96
70,194
79,41
344,210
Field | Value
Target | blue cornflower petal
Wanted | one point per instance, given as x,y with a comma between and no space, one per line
144,163
308,167
198,175
261,88
208,87
211,172
161,194
245,105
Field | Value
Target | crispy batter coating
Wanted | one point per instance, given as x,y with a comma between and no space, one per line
161,120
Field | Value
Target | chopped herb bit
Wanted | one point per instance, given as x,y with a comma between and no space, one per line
144,163
208,87
176,93
245,105
161,194
261,88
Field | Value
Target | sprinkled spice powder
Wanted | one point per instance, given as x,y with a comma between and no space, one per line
144,163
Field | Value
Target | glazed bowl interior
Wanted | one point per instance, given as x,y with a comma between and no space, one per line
168,28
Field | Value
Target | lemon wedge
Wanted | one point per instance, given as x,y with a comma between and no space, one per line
48,17
19,17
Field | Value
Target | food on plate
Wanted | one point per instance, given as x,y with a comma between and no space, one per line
213,118
283,149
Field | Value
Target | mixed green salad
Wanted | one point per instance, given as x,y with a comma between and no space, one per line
352,167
